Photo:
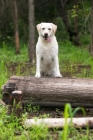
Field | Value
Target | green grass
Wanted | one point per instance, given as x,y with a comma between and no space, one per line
75,61
7,53
11,128
71,59
70,54
3,74
69,130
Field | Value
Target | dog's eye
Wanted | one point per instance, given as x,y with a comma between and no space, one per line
43,28
49,28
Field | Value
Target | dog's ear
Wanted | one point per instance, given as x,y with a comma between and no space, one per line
38,27
54,27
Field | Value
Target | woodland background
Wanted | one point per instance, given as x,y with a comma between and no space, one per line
18,19
18,37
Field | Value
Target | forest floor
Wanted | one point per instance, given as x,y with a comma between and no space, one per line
26,69
74,63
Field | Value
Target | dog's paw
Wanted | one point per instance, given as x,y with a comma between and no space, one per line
37,75
58,75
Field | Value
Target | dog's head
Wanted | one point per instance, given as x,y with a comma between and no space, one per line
46,30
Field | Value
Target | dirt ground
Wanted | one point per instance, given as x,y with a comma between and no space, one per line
57,112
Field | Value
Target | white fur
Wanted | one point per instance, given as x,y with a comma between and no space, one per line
47,51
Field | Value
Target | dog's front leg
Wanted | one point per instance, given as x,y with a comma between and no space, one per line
38,75
57,67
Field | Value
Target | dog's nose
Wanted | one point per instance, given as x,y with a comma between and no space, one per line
46,34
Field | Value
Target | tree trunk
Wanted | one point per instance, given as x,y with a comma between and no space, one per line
15,20
61,7
76,29
31,44
92,27
51,92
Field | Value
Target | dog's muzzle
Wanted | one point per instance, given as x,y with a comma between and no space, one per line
46,37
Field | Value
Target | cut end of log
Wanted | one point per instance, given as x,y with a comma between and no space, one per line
17,92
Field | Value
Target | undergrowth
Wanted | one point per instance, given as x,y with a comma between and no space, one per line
12,128
75,61
8,55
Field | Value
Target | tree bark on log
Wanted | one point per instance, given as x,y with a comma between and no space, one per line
60,122
51,92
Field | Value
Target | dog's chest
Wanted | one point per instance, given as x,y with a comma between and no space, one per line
47,54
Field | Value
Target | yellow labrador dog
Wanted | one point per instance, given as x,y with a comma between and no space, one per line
47,51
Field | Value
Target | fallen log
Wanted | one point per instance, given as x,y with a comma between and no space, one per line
51,92
60,122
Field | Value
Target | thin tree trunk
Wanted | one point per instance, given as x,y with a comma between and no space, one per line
63,13
76,29
15,20
31,44
92,27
